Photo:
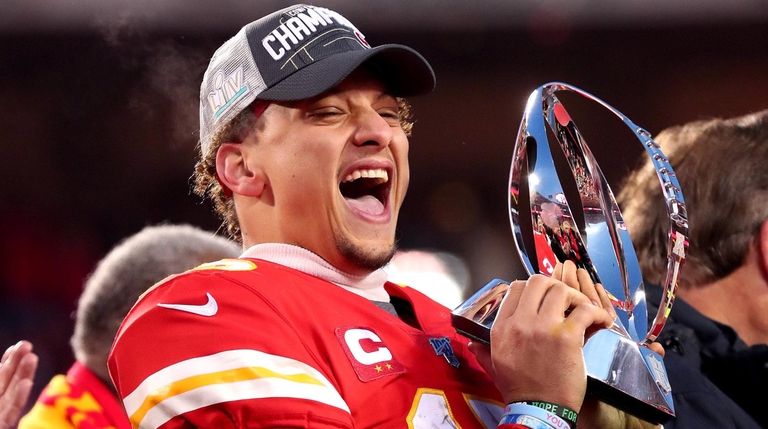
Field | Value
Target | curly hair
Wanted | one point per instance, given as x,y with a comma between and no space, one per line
720,164
207,185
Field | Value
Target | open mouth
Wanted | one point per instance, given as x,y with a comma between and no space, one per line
366,190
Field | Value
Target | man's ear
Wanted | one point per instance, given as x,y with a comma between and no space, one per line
236,174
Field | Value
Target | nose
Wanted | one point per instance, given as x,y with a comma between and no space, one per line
372,129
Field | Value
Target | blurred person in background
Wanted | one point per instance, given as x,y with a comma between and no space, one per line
84,397
717,331
441,276
17,372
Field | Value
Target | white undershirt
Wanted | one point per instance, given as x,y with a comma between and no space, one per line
370,286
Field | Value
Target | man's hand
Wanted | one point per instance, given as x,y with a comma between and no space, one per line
537,340
580,280
17,369
595,413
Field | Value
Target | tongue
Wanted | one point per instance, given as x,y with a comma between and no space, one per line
367,204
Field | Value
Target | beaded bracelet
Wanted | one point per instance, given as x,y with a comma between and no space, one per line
522,408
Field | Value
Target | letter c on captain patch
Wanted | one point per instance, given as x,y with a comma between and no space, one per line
369,357
366,347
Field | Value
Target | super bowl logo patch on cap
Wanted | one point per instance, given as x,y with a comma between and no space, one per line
369,356
226,90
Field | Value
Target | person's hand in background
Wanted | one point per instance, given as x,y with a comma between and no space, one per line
17,370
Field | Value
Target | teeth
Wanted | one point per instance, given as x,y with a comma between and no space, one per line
377,173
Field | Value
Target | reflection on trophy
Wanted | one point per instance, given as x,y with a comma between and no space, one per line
622,370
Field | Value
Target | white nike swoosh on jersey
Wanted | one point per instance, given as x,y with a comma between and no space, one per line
208,309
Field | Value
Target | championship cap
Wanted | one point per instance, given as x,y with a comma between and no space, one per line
297,53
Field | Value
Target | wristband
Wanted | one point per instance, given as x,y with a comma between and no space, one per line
514,421
522,408
512,426
561,411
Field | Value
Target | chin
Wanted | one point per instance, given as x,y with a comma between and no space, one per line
368,259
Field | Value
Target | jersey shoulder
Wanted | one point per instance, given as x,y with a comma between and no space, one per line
213,345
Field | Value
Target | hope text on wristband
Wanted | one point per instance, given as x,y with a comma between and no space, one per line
521,408
559,410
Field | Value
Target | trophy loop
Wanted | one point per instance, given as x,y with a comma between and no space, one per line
608,255
622,369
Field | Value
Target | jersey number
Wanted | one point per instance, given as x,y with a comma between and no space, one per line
430,410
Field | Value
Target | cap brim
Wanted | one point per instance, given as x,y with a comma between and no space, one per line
403,71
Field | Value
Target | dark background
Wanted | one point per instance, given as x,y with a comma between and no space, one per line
98,118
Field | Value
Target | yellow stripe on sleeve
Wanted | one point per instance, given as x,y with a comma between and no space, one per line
223,377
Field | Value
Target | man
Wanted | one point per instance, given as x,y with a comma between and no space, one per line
84,397
17,370
718,330
304,152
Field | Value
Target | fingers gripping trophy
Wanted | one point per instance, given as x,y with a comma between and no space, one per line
622,369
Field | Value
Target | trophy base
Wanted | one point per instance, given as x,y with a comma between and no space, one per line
628,375
602,392
621,372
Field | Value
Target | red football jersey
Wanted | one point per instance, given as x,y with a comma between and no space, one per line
251,344
546,257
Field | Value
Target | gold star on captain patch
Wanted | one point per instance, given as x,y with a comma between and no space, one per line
378,368
389,366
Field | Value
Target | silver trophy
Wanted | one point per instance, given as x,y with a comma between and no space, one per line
622,369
